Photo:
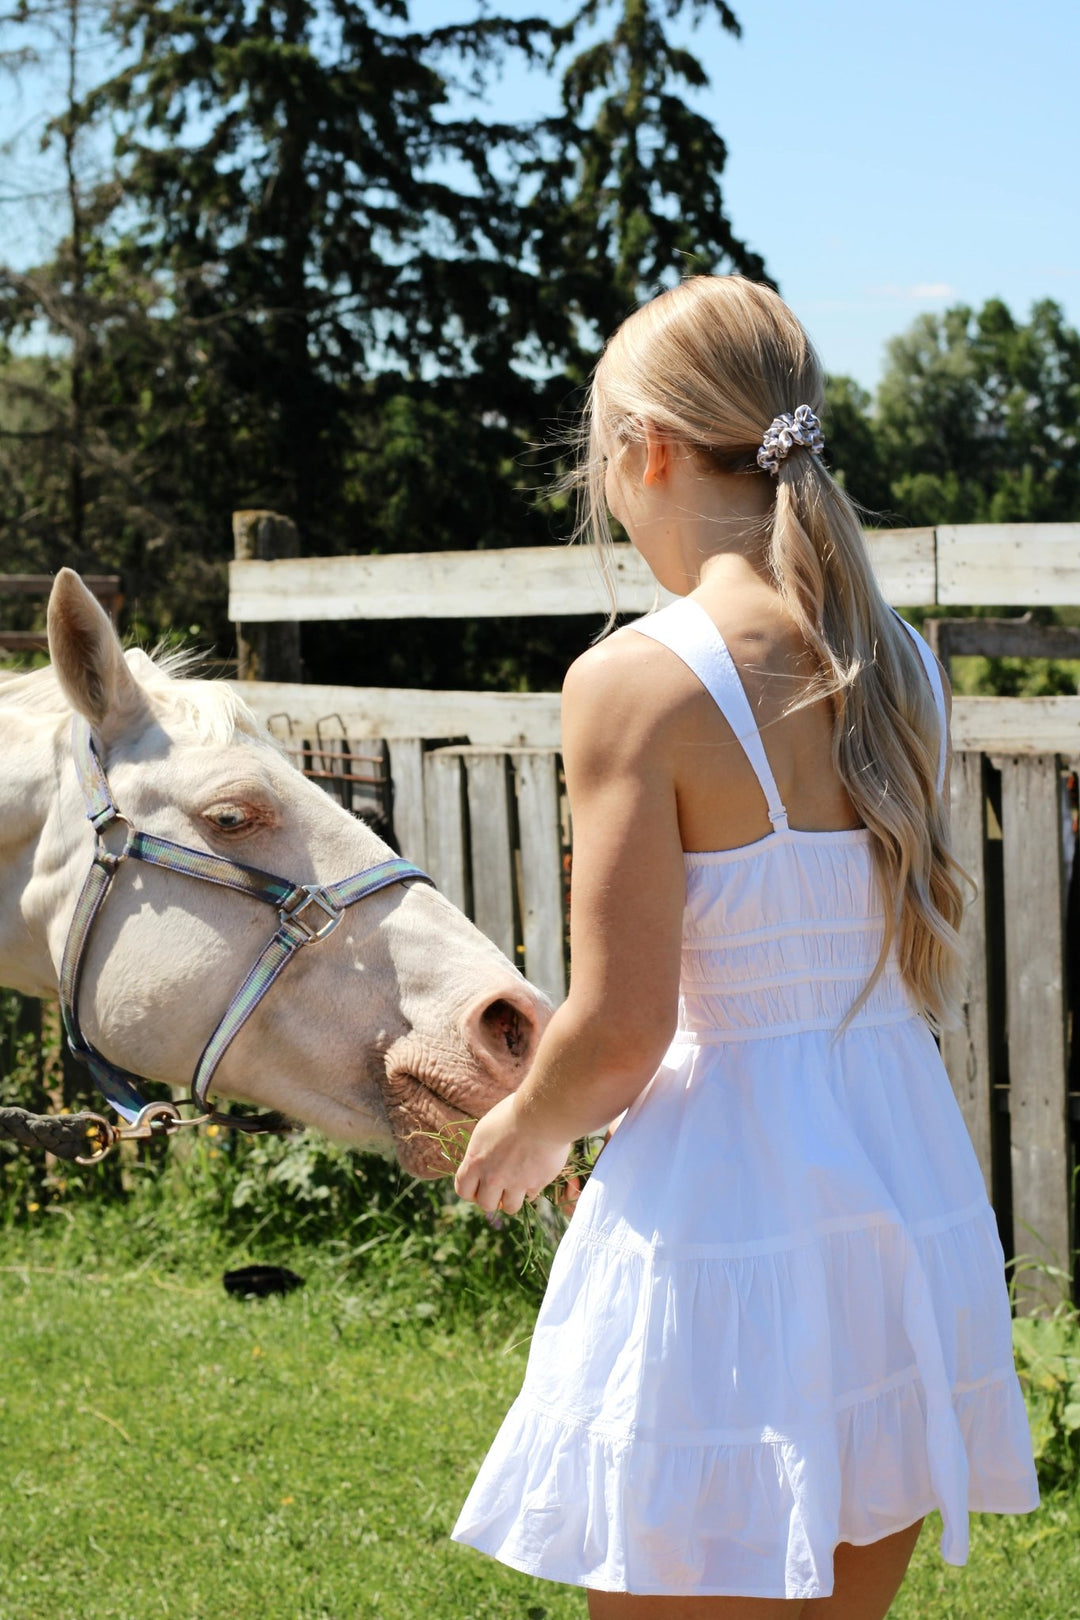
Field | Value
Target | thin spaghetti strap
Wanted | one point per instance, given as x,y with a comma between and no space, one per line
933,675
687,630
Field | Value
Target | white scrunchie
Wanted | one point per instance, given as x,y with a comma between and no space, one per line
793,430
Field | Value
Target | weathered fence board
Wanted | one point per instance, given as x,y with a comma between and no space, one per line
967,1050
491,847
507,719
439,585
1016,725
1008,564
543,913
1001,638
532,719
517,580
1035,1012
407,773
444,812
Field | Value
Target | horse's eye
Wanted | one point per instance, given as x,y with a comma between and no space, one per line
228,818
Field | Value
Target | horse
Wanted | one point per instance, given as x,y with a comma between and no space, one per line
397,1019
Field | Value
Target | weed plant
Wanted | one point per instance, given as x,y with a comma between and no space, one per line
1047,1352
214,1197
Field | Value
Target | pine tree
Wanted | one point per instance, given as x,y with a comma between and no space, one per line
630,197
286,162
44,398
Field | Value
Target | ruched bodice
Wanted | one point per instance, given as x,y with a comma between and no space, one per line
782,935
778,1319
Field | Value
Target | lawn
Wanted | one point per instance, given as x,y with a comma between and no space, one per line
171,1451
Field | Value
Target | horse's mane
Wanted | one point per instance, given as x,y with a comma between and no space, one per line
212,709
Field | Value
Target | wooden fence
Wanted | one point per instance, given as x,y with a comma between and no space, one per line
478,800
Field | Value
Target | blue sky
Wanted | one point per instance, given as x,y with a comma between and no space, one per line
884,158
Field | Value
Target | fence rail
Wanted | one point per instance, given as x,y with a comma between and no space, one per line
531,719
106,587
1003,564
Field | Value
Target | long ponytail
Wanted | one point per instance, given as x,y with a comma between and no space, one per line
886,733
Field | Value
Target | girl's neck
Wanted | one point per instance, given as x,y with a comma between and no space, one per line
716,532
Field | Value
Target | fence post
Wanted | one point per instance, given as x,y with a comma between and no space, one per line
968,1051
1035,1009
407,805
267,652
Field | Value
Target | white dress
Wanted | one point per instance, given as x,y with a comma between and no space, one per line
778,1319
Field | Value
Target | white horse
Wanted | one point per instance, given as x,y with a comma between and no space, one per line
405,1019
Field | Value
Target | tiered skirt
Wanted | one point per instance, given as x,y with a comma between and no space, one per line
778,1321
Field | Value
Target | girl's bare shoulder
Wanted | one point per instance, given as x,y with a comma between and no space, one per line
630,691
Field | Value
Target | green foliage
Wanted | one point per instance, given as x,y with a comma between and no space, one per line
1047,1351
38,1073
362,1210
853,448
976,420
221,1193
1016,677
21,1175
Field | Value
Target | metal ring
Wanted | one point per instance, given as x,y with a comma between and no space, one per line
108,858
108,1132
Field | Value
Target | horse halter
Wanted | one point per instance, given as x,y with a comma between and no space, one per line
307,913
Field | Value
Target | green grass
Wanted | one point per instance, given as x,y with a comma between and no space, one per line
170,1451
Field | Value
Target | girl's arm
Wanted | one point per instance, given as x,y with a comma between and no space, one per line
621,728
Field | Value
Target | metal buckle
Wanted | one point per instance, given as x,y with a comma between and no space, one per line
313,896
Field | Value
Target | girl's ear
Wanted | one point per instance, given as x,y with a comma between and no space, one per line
89,660
657,458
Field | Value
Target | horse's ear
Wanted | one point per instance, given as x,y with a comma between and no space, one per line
89,660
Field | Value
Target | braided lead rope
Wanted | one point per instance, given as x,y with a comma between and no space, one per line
68,1136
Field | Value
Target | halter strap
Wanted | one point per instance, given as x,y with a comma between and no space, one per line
933,675
307,912
687,630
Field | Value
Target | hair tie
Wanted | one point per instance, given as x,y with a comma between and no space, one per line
791,431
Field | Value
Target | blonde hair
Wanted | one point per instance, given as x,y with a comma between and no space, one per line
708,365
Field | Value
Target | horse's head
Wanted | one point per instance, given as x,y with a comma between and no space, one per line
402,1020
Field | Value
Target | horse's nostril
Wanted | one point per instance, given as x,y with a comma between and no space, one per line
504,1024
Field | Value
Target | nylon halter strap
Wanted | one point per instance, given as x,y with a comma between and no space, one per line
307,912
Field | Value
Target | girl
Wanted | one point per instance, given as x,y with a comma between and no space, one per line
777,1332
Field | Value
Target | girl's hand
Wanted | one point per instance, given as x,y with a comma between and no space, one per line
506,1162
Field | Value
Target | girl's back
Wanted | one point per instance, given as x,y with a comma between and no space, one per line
720,803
